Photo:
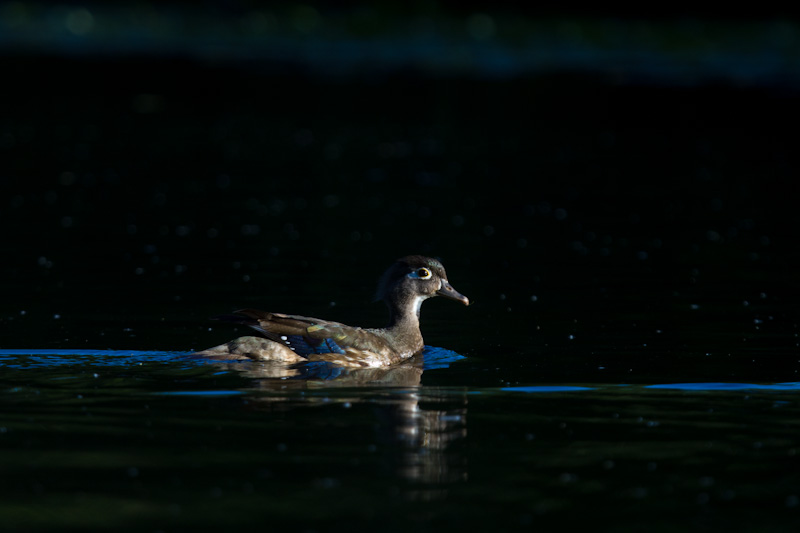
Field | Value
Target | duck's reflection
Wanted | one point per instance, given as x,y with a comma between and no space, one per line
420,428
427,428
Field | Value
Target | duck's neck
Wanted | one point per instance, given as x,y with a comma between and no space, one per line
404,313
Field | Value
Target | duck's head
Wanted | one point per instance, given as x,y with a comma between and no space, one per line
413,279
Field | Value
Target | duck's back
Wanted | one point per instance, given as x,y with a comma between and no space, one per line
315,339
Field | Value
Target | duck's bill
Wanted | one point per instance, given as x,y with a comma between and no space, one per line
448,291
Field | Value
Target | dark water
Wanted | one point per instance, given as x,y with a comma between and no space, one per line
156,441
630,361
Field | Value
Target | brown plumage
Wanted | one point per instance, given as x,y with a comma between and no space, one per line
292,338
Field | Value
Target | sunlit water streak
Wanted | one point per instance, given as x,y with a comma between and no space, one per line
21,359
693,387
434,358
206,393
548,388
782,387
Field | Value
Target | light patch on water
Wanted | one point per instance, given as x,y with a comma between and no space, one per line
547,388
25,358
692,387
200,393
790,386
433,358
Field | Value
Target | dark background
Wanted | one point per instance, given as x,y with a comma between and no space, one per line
610,189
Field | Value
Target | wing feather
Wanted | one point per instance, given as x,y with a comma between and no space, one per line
306,335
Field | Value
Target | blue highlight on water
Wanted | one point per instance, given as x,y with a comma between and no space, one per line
24,359
439,358
690,387
205,393
784,387
434,358
548,388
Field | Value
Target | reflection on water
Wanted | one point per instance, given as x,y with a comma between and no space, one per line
427,428
406,374
160,441
416,427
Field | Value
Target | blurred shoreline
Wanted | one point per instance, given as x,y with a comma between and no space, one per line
353,41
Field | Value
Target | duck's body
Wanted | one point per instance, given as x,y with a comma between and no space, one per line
293,339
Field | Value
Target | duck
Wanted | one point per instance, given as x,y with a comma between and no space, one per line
290,339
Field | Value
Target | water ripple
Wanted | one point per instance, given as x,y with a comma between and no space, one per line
548,388
721,386
34,358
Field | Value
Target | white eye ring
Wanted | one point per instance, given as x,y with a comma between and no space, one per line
421,273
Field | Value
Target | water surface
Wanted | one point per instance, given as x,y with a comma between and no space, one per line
157,440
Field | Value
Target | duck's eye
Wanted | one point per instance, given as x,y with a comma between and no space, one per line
421,273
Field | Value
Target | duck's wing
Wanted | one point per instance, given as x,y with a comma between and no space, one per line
308,336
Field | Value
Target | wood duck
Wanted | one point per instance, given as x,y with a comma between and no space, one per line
294,339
